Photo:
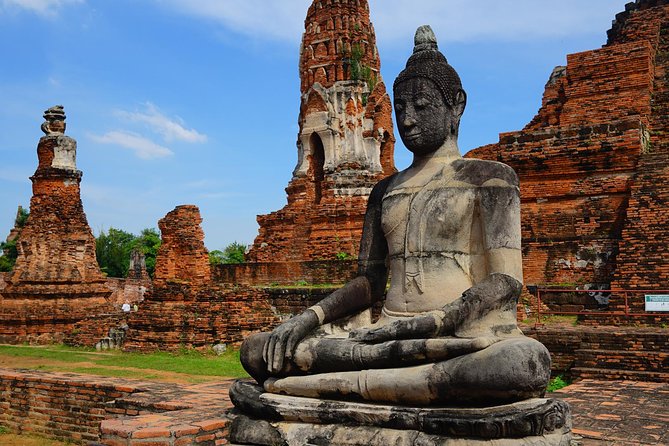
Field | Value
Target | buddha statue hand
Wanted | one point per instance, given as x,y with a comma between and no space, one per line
497,293
281,343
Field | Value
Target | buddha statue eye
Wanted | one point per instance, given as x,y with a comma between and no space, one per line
399,107
422,102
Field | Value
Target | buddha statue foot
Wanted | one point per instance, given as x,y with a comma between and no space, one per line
268,419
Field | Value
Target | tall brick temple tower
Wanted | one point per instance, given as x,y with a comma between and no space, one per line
56,280
594,162
345,142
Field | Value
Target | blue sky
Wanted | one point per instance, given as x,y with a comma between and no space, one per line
196,101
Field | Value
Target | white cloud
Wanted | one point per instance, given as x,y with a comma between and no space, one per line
453,20
47,8
170,129
263,19
143,147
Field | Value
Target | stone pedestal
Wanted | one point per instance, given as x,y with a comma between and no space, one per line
269,419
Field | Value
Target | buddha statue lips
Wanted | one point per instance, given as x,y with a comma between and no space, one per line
447,232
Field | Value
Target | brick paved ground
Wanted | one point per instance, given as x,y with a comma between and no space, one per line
619,413
612,413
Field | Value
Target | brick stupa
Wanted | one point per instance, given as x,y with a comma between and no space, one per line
56,280
345,142
594,163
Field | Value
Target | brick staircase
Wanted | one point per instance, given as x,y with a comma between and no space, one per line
623,354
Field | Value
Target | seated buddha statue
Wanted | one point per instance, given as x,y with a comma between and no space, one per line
447,232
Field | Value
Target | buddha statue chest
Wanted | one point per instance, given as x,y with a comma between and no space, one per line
434,242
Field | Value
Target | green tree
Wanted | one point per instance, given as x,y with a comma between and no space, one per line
112,250
149,242
216,257
234,253
9,253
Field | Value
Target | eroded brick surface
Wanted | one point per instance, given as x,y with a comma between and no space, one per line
182,256
178,315
113,411
593,163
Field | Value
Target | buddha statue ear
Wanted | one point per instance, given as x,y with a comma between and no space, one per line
460,102
458,109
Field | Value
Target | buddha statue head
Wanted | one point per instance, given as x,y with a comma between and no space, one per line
429,99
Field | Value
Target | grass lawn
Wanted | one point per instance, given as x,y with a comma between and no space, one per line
182,367
7,439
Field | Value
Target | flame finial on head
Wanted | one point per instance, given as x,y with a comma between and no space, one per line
425,39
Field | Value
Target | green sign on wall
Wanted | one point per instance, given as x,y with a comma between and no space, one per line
657,302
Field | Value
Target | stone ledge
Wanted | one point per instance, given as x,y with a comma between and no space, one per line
526,422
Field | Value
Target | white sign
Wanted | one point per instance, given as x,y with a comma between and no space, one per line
657,302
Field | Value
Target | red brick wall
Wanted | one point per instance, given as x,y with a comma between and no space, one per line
593,163
178,315
130,290
644,257
59,406
632,349
286,273
45,320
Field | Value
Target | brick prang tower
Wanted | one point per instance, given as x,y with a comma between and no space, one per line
345,142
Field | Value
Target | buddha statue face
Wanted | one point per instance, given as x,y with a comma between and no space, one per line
424,119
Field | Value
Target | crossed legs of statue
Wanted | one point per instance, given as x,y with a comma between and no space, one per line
414,372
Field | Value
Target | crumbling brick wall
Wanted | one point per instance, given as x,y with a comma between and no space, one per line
182,255
593,163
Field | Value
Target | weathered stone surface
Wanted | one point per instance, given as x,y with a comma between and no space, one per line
535,421
56,280
137,268
593,163
295,434
345,143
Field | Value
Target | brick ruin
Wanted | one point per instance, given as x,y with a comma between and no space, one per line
185,308
56,280
182,255
137,268
593,163
345,142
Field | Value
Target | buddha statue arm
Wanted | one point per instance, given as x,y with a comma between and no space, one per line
355,296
